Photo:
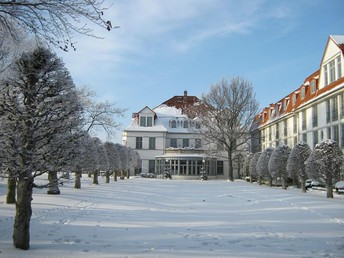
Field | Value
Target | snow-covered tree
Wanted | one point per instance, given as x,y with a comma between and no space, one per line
253,166
262,165
296,164
278,163
54,21
325,163
113,160
102,158
38,104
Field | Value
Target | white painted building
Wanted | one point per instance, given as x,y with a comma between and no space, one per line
166,140
313,112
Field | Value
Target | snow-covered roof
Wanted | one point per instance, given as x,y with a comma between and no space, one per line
339,39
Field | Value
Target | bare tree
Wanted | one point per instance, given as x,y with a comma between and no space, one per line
278,163
296,164
113,160
102,158
99,115
38,104
54,21
262,165
325,163
227,118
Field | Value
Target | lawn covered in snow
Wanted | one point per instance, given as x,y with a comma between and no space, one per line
173,218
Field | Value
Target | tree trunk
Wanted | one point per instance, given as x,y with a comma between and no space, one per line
107,176
284,183
53,183
21,229
230,167
270,181
329,191
11,190
95,177
303,185
259,180
77,183
115,176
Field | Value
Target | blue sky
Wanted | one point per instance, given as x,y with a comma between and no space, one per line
164,47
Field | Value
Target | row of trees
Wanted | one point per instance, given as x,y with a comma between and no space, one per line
44,120
45,127
298,164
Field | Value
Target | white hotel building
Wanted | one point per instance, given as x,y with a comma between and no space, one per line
313,112
166,141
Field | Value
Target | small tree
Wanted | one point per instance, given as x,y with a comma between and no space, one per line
325,163
278,163
253,167
102,156
262,165
296,164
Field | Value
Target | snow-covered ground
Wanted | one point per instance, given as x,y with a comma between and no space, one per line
169,218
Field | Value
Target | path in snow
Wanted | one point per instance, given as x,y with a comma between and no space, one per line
170,218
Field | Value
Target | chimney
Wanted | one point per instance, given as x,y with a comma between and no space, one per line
185,93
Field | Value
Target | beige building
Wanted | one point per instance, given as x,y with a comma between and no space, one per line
313,112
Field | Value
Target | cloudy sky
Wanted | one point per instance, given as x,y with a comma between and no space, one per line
164,47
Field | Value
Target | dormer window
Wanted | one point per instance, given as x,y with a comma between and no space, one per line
186,124
313,87
294,99
303,92
173,124
146,121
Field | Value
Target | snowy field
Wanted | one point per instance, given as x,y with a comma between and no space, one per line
169,218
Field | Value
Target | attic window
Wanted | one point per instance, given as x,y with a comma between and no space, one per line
313,86
146,121
173,124
303,92
294,99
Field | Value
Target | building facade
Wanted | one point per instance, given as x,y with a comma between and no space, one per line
313,112
166,139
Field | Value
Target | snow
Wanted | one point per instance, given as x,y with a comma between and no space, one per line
177,218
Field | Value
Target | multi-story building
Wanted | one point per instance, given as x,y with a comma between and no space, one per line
166,139
311,113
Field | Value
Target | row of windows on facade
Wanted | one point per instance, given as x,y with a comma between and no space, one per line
174,143
335,132
332,115
147,121
332,71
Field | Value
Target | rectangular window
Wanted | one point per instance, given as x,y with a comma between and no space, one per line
342,105
149,121
315,138
329,136
303,92
342,135
138,142
295,140
332,71
220,167
336,133
304,125
339,67
285,129
304,137
270,134
334,109
146,121
295,124
328,111
173,143
185,143
277,131
198,143
325,75
313,87
315,116
151,166
152,143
